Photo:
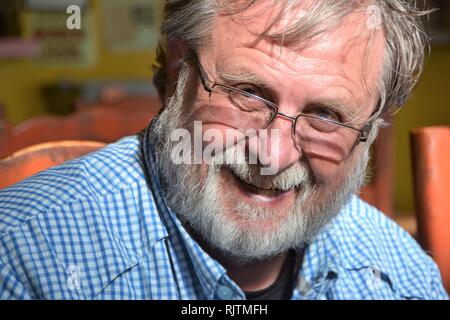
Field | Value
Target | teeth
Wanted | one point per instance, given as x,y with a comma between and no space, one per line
266,189
248,181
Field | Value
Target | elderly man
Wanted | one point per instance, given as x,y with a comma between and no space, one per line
309,82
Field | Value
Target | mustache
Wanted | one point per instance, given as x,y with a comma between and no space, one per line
297,175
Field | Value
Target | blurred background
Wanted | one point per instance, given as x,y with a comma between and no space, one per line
48,70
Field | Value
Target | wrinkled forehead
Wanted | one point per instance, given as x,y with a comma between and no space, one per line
293,22
353,37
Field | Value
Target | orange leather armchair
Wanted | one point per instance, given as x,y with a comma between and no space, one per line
34,159
431,165
100,122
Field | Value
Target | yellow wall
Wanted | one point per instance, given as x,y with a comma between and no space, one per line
20,80
430,105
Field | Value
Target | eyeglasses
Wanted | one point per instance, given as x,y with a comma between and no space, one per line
317,131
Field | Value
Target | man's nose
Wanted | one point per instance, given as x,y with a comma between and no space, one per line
276,146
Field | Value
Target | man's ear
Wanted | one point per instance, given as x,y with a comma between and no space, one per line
176,51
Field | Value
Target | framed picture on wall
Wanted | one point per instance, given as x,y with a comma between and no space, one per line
130,26
45,21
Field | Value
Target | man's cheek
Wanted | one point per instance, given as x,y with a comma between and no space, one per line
329,175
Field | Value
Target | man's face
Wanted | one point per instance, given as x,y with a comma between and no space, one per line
228,204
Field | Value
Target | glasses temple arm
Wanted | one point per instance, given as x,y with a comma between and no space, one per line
203,76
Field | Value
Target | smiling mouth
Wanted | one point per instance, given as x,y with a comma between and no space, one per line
266,193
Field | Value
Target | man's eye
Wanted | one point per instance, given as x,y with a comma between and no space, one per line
325,113
250,89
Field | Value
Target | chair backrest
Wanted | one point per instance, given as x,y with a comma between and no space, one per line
34,159
97,124
431,165
105,122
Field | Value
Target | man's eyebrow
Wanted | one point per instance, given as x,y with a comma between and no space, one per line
241,76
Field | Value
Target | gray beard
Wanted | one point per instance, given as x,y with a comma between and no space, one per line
199,201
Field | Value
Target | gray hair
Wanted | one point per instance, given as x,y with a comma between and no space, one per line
191,21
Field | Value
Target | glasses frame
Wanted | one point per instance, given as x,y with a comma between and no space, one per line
363,132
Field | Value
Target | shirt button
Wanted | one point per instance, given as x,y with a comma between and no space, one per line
224,292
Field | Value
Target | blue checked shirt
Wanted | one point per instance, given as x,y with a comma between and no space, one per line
98,228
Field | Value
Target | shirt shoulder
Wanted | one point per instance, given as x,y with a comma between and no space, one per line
364,240
93,217
88,177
